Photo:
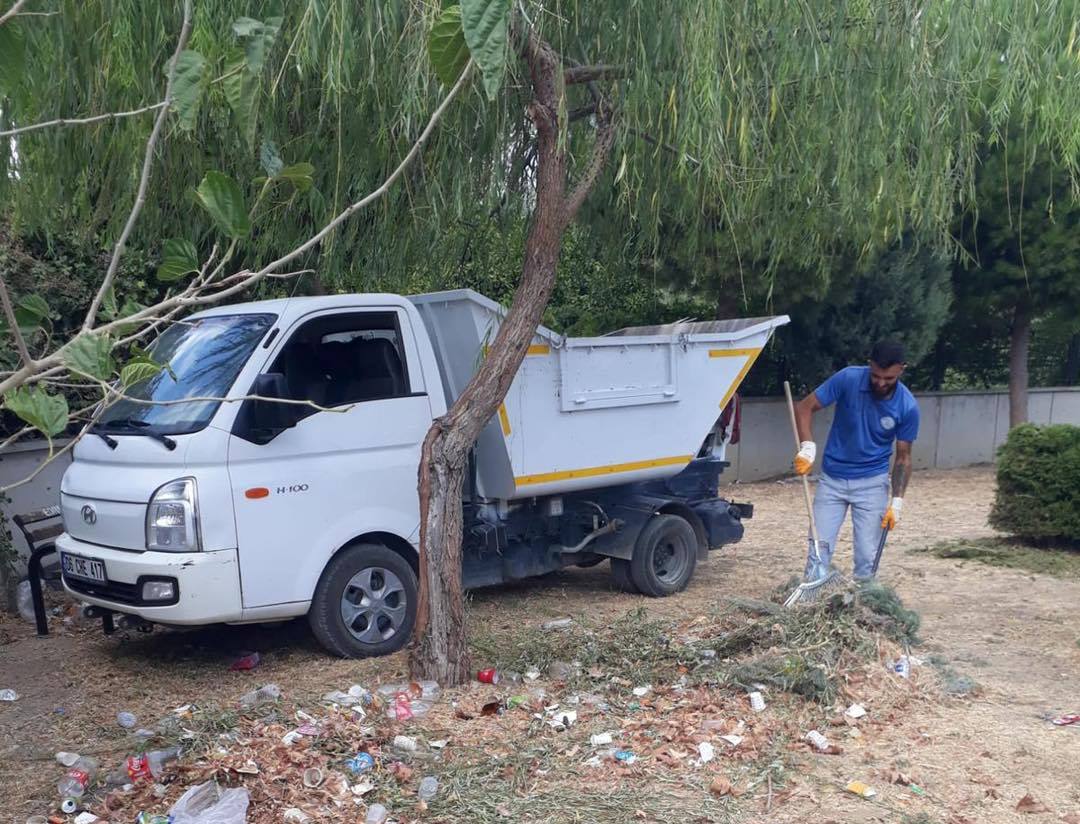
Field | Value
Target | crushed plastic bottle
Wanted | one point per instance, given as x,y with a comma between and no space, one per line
429,788
151,764
360,763
80,776
263,695
126,720
9,695
376,814
24,602
67,759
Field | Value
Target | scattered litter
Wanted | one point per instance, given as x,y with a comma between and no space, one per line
1067,720
209,803
860,789
151,818
360,763
313,777
602,739
706,752
855,711
245,662
488,676
291,737
249,767
561,671
561,719
625,756
902,665
9,695
86,818
376,814
294,815
733,740
757,701
641,692
819,741
67,759
144,734
362,788
919,791
405,743
361,694
263,695
126,720
532,674
491,708
428,789
24,601
516,701
558,623
594,762
707,654
438,745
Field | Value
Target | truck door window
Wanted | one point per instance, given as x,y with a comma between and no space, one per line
345,359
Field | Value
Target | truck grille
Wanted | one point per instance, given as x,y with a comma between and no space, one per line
110,590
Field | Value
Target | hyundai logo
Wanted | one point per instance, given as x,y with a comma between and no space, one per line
89,514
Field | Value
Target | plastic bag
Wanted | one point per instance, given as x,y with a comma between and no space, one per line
24,601
209,804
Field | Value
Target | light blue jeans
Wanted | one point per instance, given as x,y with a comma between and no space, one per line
868,499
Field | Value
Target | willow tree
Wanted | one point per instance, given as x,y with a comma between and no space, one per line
792,128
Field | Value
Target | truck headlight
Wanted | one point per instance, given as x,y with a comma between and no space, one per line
172,518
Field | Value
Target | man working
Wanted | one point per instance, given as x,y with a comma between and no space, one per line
873,409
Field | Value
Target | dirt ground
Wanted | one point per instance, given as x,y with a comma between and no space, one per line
975,757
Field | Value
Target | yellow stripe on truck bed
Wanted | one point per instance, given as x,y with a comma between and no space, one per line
751,355
595,471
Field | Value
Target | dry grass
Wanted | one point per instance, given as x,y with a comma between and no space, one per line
1059,561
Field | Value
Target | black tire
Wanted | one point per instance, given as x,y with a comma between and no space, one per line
664,556
621,578
380,632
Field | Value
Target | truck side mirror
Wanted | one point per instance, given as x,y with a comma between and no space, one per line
265,414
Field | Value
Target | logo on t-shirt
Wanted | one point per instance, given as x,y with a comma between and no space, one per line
888,423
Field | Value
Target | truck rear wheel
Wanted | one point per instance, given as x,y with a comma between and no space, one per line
365,602
664,556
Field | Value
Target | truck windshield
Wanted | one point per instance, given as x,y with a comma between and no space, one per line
204,356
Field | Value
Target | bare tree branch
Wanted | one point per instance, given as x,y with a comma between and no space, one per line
648,138
587,74
196,294
16,332
80,121
14,10
144,180
605,138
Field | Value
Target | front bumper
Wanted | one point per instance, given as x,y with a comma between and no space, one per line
207,583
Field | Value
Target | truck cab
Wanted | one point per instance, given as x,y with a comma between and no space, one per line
270,471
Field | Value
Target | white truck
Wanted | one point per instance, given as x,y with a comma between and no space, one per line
181,508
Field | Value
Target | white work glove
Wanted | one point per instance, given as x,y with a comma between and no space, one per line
891,519
804,458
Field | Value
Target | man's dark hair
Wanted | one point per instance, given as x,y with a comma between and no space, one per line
888,353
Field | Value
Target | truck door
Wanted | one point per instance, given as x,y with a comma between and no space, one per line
353,465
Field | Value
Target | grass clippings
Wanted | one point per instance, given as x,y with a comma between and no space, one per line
1058,561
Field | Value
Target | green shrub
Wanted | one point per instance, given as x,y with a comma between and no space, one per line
1038,489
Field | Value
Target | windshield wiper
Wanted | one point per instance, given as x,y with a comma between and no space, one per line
110,442
137,427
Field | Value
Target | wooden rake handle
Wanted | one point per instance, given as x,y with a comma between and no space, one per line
805,482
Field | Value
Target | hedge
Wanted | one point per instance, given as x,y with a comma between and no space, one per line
1038,489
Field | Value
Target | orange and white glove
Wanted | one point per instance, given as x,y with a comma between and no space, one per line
891,520
804,458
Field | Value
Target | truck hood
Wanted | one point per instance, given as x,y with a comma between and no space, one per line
104,493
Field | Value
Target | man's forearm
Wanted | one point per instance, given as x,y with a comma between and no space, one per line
901,474
804,416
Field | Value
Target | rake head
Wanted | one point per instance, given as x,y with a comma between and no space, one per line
809,592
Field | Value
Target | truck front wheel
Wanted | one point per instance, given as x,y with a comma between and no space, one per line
664,556
365,602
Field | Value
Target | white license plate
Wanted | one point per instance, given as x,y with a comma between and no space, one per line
80,567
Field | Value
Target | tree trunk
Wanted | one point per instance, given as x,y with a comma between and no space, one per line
1072,361
440,649
1019,342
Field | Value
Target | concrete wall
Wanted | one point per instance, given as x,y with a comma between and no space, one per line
20,461
957,429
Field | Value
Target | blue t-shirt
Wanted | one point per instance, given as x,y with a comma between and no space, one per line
864,426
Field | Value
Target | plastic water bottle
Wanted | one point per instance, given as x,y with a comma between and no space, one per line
151,764
429,788
376,814
80,776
